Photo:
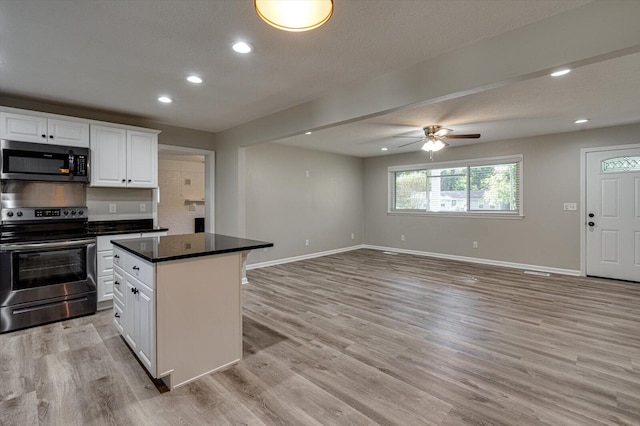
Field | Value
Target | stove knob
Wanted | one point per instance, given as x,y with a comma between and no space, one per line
19,214
73,212
10,214
80,212
66,212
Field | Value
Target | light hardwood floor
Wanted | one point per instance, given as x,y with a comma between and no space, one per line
361,338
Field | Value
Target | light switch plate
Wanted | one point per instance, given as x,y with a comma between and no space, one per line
570,206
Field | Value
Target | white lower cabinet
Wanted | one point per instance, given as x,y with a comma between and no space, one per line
136,323
105,262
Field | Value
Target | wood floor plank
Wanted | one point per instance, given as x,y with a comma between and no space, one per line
361,338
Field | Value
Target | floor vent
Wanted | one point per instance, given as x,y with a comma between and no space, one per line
538,273
390,252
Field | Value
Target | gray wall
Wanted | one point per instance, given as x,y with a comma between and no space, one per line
546,236
285,207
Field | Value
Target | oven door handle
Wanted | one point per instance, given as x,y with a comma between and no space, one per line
59,244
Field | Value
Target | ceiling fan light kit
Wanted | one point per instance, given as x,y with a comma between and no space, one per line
435,136
294,15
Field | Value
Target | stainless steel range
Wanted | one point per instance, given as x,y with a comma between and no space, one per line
47,258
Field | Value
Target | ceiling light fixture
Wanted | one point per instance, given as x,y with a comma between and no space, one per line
384,149
307,133
165,99
433,144
560,73
581,120
242,47
294,15
194,79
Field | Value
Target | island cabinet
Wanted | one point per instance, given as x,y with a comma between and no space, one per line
178,303
104,262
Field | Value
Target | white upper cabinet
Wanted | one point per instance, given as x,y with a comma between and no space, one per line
33,128
123,158
142,159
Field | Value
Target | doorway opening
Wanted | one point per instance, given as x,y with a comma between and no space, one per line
185,195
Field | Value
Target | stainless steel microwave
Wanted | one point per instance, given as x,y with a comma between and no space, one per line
43,162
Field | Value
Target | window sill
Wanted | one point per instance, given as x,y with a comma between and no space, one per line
509,216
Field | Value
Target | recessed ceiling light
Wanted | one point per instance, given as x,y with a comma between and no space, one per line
384,149
194,79
165,99
307,133
560,73
242,47
581,120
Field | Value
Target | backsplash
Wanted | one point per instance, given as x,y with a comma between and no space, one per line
128,203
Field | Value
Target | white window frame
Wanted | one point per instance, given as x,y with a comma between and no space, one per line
490,161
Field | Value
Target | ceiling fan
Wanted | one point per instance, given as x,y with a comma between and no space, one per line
434,138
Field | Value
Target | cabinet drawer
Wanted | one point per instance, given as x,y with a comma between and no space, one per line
139,269
105,288
118,312
118,284
105,263
118,257
104,241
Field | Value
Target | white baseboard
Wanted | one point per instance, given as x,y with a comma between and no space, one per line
303,257
524,266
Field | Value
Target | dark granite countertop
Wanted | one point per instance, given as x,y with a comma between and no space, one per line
113,227
173,247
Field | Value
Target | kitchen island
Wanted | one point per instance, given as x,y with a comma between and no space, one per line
178,302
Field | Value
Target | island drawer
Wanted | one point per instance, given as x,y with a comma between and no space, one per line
139,269
118,284
118,312
118,257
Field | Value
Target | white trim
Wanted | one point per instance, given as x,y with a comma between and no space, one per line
516,158
583,196
303,257
491,262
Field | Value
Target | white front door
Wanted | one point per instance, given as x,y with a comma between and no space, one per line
613,214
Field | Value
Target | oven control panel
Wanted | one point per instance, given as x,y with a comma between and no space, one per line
21,214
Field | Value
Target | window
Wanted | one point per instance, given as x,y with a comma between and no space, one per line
491,186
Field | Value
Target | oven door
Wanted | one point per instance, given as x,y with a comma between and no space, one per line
32,272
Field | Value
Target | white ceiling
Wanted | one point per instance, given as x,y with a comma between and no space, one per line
119,56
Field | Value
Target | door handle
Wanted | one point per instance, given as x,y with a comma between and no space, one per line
591,224
591,215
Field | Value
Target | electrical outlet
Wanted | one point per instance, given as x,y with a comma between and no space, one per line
402,237
306,242
112,208
192,207
353,236
570,206
475,244
143,207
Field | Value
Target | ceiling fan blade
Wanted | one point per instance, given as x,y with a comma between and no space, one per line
407,136
469,136
442,132
410,143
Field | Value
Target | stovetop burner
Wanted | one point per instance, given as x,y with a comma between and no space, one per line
31,224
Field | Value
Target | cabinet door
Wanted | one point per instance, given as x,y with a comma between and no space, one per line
69,133
145,336
108,156
142,159
105,288
25,128
130,313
